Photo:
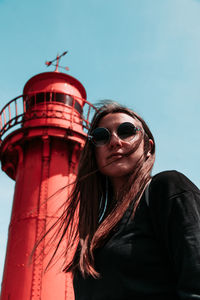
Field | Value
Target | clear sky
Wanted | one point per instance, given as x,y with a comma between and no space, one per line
143,53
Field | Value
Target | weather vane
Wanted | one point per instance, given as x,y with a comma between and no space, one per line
49,63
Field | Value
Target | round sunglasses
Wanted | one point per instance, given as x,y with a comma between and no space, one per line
101,136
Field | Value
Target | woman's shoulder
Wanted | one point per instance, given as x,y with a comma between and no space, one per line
171,183
172,191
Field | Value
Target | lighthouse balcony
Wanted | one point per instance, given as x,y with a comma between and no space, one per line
41,109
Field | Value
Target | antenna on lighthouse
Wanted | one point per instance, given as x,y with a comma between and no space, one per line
49,63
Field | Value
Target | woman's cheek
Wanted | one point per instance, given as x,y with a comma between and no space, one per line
100,157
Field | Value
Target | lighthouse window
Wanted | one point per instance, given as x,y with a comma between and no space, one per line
48,97
53,97
39,97
67,99
78,107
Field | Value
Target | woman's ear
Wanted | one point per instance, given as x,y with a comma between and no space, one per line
151,144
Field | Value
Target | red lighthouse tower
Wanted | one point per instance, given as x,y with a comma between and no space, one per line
41,155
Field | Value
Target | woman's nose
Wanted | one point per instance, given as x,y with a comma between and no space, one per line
114,140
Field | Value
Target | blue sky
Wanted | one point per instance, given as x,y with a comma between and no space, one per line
143,53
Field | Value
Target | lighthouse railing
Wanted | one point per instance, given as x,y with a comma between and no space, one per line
12,114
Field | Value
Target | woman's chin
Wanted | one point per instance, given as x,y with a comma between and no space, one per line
116,171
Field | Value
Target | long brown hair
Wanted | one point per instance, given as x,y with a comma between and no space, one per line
89,196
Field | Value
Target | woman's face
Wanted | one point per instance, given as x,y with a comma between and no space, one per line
110,157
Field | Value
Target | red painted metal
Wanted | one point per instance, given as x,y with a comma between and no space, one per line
50,121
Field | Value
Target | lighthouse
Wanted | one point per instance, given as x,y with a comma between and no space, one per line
42,133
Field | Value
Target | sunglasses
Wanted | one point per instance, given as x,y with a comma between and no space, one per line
101,136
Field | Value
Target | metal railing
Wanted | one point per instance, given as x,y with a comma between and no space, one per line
17,110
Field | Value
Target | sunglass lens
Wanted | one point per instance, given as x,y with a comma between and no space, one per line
100,136
126,130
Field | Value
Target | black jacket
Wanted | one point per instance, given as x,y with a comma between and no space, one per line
156,255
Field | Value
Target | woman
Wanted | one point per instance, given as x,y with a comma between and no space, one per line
139,237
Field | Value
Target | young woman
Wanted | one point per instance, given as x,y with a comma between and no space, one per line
139,237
